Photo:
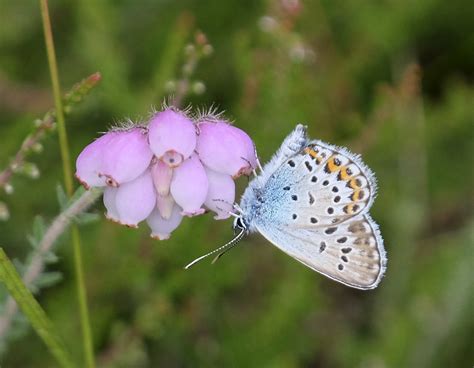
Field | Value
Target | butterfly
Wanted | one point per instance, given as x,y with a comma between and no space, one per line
312,201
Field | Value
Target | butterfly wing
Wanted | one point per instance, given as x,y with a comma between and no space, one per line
315,208
353,254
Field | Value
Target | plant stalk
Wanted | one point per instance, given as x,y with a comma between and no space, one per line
68,183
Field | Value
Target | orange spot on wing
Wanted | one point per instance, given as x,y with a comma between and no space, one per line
332,166
313,154
352,208
348,209
354,184
344,175
356,195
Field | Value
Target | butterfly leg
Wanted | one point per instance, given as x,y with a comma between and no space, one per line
235,207
238,208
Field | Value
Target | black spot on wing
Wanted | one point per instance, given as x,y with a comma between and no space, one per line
311,198
322,247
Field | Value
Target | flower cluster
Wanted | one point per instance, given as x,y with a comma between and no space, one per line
171,167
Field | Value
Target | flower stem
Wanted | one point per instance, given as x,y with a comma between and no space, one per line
68,183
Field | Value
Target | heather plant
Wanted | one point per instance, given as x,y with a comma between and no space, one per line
391,81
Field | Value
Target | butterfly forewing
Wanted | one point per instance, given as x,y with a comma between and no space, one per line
323,185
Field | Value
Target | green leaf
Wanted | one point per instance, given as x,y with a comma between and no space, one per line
33,241
48,279
39,228
62,197
33,311
50,257
86,218
77,194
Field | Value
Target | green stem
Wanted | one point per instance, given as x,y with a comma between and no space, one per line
53,69
33,311
68,183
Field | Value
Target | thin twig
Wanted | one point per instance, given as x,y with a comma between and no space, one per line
46,124
182,86
201,48
28,144
37,264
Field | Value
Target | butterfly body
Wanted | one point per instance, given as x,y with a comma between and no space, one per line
312,201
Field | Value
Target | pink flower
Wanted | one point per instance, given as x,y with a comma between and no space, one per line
109,203
165,205
161,228
132,202
115,158
172,136
168,170
221,194
162,175
225,148
189,186
89,162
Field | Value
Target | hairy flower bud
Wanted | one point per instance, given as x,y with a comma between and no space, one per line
172,136
225,148
89,162
115,158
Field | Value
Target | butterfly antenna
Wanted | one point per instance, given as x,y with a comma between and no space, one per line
221,250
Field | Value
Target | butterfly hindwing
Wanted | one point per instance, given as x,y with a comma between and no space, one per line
351,252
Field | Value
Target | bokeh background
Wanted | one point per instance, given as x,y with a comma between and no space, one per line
389,79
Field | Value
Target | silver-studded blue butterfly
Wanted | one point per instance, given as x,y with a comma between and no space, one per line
312,201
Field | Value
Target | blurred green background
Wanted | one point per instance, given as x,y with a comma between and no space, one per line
389,79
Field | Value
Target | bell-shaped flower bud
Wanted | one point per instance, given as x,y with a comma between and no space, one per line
126,156
115,158
172,136
221,194
161,228
189,186
89,162
225,148
162,175
109,202
132,202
